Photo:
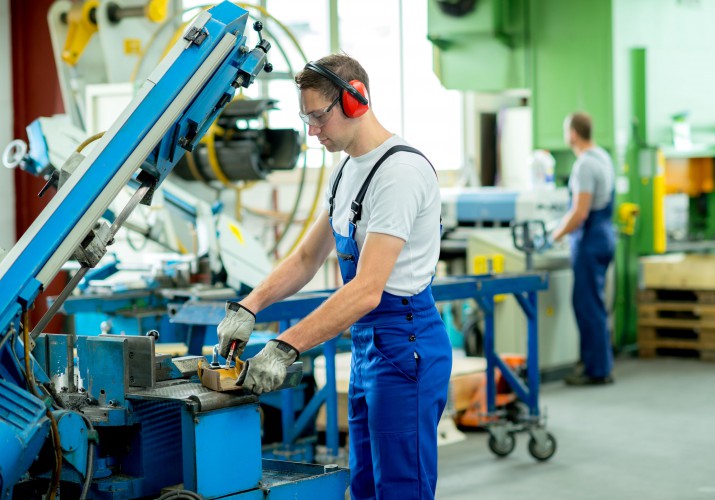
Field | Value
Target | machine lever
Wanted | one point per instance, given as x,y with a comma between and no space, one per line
51,182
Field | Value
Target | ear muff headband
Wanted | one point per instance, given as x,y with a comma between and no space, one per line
355,103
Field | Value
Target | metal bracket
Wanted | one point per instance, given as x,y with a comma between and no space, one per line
94,246
141,366
196,35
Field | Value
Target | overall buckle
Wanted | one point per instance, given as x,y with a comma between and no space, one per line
355,212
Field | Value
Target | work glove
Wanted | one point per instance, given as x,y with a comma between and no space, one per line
236,325
266,371
543,243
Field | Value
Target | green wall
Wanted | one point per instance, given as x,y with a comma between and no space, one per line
570,46
680,40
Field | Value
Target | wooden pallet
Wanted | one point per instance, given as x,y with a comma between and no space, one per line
676,338
675,295
676,323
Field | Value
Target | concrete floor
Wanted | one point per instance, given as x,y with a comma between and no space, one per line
650,435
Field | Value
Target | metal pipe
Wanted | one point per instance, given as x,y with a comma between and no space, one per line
115,13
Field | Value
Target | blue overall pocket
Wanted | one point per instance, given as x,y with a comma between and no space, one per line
348,253
397,345
348,266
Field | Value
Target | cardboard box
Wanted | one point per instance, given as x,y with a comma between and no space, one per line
678,271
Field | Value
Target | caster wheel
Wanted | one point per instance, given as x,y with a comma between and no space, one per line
504,447
545,451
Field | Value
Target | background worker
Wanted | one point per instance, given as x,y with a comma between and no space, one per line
592,247
382,214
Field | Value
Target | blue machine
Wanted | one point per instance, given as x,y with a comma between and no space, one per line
104,416
473,205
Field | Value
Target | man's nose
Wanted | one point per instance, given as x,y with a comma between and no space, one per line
313,130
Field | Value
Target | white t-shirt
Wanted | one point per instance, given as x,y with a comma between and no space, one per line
403,201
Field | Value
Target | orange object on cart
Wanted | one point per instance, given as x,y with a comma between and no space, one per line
476,414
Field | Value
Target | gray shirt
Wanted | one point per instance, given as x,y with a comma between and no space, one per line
593,173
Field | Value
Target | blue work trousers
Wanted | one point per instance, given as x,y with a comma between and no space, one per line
592,249
401,364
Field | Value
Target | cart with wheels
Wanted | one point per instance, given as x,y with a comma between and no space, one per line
503,427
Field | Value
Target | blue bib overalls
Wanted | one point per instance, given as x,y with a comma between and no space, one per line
592,249
399,377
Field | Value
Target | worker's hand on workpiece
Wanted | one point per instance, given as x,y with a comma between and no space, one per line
266,371
236,325
543,243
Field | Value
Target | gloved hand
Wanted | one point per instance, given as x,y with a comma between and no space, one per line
543,243
266,371
236,325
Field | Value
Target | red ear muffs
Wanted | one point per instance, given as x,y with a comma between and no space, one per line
353,97
351,106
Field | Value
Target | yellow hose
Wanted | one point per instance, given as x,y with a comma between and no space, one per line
88,141
311,213
57,471
179,31
209,139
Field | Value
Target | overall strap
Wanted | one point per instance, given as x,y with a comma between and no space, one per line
335,186
356,206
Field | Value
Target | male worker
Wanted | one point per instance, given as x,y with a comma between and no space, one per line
592,245
382,214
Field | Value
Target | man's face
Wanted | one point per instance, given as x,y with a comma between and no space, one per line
325,119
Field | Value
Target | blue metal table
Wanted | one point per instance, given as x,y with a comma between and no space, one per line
206,316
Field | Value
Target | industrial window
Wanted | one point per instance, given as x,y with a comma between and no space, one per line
389,37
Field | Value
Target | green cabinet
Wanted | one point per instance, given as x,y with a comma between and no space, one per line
483,50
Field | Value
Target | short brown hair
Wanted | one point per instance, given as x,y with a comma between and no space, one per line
582,124
342,65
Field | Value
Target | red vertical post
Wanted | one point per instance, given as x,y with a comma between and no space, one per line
36,93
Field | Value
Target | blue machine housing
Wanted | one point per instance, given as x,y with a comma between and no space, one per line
131,423
485,204
22,434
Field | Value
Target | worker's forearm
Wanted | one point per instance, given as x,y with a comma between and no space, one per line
570,223
340,311
288,278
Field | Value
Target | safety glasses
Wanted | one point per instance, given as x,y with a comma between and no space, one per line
318,118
